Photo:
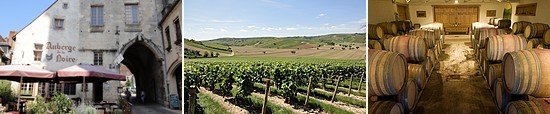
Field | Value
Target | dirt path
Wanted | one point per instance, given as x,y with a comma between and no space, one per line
226,105
342,105
346,95
277,100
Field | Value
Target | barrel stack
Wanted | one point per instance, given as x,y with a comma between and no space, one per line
377,33
389,85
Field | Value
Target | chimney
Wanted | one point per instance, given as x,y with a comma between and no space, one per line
10,40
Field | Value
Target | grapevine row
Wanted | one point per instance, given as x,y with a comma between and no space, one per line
286,76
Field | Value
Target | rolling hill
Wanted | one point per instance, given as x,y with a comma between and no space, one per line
292,42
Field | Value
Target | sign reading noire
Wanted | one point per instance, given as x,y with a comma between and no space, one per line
62,52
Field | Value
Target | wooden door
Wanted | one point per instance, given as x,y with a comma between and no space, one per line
456,18
403,11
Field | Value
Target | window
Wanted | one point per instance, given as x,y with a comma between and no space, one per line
53,87
167,35
26,88
97,15
178,31
98,58
58,23
132,13
37,52
65,5
69,89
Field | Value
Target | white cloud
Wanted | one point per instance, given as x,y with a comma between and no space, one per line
243,30
291,28
251,26
309,28
223,30
326,24
208,28
322,14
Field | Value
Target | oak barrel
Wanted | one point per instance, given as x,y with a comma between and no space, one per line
504,23
493,73
546,37
534,42
524,107
527,72
428,66
375,32
535,30
413,48
519,27
485,33
388,27
501,44
387,72
501,95
386,107
375,44
408,96
427,35
418,72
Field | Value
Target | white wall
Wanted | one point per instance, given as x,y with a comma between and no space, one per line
413,7
541,15
381,11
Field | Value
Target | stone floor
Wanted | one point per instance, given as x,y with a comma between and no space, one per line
456,86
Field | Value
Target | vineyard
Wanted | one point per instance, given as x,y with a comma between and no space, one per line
319,87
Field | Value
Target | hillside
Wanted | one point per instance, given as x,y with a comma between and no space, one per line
292,42
206,46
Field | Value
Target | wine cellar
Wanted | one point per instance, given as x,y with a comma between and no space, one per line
458,56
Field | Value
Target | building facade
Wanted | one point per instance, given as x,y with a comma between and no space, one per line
171,24
104,33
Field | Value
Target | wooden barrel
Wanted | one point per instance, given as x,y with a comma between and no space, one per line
413,48
495,21
527,72
408,96
535,30
505,23
375,44
533,43
524,107
542,46
501,95
388,27
401,25
546,37
519,27
428,66
501,44
408,25
491,21
375,32
387,72
386,107
418,72
494,72
431,55
427,35
486,33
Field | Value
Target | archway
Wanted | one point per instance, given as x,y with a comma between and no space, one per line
144,62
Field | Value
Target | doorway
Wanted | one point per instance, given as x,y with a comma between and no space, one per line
403,11
456,19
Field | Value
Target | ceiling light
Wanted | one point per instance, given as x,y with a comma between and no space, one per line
456,1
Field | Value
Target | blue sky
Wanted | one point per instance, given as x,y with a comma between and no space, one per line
211,19
16,14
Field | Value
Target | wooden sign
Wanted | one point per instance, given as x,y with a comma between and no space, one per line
491,13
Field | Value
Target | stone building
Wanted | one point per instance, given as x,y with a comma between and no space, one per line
105,33
172,42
